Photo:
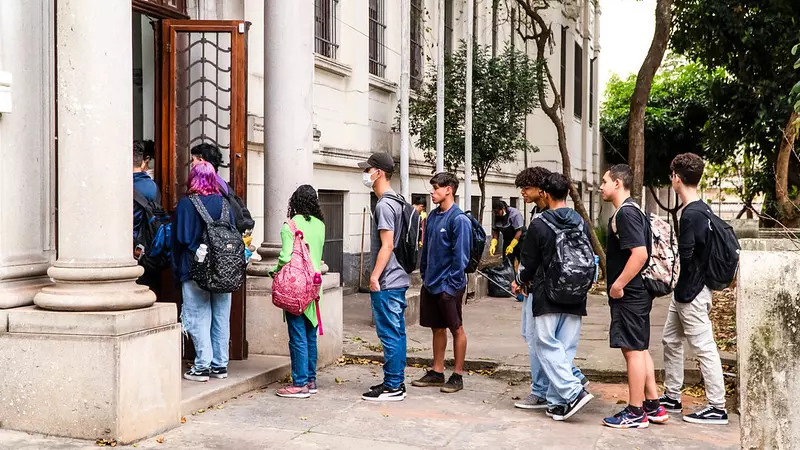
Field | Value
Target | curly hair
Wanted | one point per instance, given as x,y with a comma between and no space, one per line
689,168
304,201
209,152
532,177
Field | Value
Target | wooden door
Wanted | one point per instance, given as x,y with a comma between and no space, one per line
203,94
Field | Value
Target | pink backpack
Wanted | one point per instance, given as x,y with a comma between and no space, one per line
297,284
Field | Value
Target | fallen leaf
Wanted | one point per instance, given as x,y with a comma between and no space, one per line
183,419
621,402
338,380
385,414
113,443
486,401
135,445
515,398
201,411
160,439
304,418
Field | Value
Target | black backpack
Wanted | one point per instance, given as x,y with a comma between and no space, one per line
722,253
407,249
478,244
570,274
241,215
223,269
154,233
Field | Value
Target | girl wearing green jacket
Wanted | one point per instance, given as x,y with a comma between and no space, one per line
305,211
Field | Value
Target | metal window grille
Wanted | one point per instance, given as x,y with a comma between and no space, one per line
417,69
591,90
578,85
563,67
377,38
325,27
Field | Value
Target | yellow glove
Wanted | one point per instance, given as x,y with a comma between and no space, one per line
493,247
247,240
510,248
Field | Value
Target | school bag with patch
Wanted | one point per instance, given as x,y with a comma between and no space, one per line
407,250
722,253
660,275
154,233
297,284
570,274
223,269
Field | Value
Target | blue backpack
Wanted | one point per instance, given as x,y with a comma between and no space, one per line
478,243
153,236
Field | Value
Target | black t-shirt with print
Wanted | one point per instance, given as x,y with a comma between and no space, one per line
633,230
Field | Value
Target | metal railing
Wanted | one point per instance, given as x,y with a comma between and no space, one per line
325,27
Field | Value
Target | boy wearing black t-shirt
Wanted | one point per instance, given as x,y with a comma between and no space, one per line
627,252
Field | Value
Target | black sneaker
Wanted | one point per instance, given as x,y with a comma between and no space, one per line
574,406
219,373
380,393
555,410
194,374
430,378
709,415
454,384
671,405
402,388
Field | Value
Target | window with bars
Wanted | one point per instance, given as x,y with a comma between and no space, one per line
448,27
377,38
578,87
563,67
325,27
592,65
417,67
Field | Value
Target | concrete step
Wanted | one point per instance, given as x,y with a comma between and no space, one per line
243,376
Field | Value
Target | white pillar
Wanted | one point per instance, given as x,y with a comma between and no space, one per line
440,89
468,113
95,269
288,113
405,76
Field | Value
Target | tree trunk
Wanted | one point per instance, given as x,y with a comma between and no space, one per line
482,187
641,93
495,7
673,212
787,206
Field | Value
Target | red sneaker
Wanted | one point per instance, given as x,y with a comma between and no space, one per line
658,415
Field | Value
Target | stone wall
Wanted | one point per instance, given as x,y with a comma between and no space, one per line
767,321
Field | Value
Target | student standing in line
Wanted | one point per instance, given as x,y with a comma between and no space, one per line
688,316
445,255
388,282
557,265
627,251
531,182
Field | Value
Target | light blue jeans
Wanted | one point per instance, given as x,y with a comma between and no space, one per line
555,343
302,348
206,318
539,381
390,323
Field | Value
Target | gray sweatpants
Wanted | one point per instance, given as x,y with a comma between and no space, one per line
690,321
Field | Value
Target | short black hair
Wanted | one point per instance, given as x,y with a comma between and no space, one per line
138,153
210,153
443,179
557,186
532,176
498,204
622,172
689,168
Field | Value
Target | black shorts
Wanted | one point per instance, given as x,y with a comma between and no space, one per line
630,323
440,310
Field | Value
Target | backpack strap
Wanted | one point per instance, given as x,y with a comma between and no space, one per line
614,217
225,215
201,209
140,199
550,225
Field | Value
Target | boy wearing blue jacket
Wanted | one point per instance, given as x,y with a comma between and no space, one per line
445,255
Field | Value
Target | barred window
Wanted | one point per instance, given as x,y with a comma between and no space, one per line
417,68
325,27
377,38
563,67
578,86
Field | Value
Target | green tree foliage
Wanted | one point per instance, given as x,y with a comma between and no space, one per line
677,112
505,91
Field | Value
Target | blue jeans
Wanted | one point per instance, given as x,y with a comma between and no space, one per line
206,318
302,349
556,341
390,323
539,381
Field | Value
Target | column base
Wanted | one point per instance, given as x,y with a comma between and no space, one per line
95,289
20,292
268,251
92,375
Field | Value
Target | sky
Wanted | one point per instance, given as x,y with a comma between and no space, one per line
626,29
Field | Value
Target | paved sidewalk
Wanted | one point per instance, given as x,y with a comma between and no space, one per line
482,416
495,340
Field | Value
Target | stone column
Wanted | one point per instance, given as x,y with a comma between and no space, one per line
95,269
288,114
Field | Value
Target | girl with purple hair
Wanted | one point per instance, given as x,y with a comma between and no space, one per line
205,316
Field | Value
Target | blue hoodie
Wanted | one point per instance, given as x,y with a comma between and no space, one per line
147,187
445,251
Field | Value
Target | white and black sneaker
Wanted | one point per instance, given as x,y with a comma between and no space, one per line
574,406
709,415
670,404
219,373
555,410
380,393
402,388
195,374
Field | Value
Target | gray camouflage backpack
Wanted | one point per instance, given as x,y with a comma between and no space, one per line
571,272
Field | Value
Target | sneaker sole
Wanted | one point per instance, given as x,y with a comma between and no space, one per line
424,384
627,426
450,390
193,378
658,420
705,421
219,376
526,406
314,391
306,395
577,407
672,410
397,398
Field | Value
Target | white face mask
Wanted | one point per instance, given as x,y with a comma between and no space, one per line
367,180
